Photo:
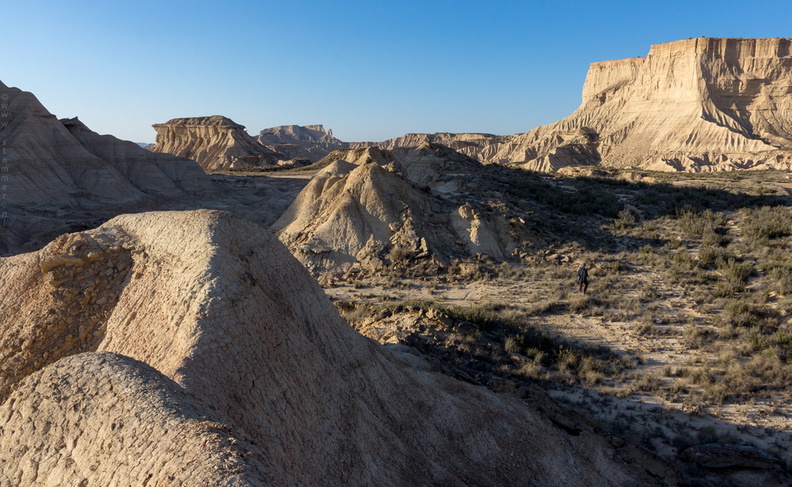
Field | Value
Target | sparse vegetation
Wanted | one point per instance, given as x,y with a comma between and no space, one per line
689,302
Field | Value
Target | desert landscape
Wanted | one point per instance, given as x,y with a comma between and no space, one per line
218,308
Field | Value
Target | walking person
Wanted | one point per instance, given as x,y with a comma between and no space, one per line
582,274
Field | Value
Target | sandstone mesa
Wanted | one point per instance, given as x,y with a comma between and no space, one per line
214,142
703,104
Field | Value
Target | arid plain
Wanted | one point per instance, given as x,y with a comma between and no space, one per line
292,309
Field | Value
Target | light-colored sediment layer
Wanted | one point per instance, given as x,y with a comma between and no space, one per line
215,142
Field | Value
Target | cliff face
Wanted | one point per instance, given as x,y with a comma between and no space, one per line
214,142
696,104
692,105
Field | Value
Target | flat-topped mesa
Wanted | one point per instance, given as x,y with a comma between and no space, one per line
691,105
215,142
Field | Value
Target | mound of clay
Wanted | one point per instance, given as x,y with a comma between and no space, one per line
58,173
214,142
105,419
364,210
222,359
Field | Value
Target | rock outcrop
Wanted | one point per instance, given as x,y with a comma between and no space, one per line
192,348
366,211
309,142
215,142
472,145
705,104
692,105
58,175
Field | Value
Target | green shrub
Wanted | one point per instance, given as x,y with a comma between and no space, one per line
696,224
767,223
625,219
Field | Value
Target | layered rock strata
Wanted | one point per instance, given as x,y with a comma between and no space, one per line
215,142
192,348
692,105
705,104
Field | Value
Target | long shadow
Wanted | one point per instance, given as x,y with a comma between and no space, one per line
576,208
705,450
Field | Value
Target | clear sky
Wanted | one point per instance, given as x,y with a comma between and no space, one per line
370,70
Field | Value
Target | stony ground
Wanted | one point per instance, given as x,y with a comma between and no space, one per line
667,425
684,340
654,350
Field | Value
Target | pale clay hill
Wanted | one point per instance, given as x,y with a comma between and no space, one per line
190,348
705,104
365,212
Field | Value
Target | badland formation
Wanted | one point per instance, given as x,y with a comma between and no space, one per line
292,309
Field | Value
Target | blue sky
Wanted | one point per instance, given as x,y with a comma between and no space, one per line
370,70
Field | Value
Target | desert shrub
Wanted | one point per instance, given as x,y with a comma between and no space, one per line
712,257
734,271
782,340
714,237
694,336
725,289
755,339
511,345
697,223
767,223
681,263
647,383
625,219
740,314
782,278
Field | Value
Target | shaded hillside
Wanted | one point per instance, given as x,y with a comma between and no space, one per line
59,175
242,369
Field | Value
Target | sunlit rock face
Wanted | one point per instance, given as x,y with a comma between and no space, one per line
215,142
692,105
700,104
